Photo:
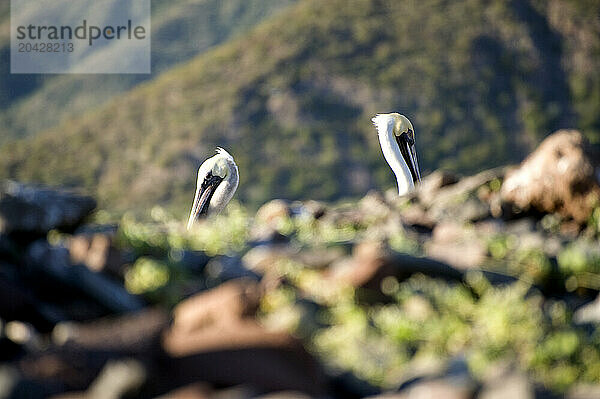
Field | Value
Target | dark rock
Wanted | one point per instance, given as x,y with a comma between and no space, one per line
196,390
284,395
453,381
200,390
132,333
225,268
97,252
28,209
559,176
9,250
118,379
348,385
19,302
14,385
55,262
373,261
194,261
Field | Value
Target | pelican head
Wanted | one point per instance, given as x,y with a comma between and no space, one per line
218,179
397,139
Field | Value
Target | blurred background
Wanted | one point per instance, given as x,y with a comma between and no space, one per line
289,89
326,291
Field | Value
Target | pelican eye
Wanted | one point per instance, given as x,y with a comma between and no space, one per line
408,137
207,180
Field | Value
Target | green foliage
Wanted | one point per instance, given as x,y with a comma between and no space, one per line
433,320
424,320
531,264
579,263
146,275
223,234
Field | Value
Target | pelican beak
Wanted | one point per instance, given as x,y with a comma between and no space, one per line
202,199
409,153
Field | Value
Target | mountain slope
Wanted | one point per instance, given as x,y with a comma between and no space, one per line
482,81
181,29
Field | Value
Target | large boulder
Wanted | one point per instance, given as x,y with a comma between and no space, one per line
216,338
561,176
30,209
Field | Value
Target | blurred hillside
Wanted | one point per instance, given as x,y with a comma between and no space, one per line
181,29
482,82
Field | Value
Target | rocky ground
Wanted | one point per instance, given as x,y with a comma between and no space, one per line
483,286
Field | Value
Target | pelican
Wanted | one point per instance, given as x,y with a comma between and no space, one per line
218,179
397,139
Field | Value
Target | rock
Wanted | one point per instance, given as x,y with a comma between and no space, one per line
215,338
29,209
268,221
273,212
314,209
197,390
415,215
467,209
509,386
348,385
200,390
433,182
14,385
225,268
97,252
194,261
373,204
559,176
456,194
55,262
454,381
589,313
456,245
225,304
127,334
117,379
370,264
17,302
284,395
9,378
373,261
319,258
583,391
263,258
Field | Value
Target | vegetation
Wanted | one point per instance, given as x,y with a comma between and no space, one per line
292,100
423,321
181,29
